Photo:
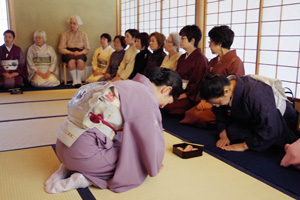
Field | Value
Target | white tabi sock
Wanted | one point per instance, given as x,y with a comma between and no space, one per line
79,75
75,181
61,173
74,76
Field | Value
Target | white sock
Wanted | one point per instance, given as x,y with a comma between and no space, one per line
61,173
74,76
75,181
79,75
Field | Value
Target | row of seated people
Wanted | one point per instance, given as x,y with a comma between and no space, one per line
108,64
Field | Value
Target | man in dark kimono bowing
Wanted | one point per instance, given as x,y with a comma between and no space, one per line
251,112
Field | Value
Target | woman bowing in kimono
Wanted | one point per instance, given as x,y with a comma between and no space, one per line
113,136
13,72
42,62
251,112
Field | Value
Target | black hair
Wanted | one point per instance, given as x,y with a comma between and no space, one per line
212,86
222,35
11,32
107,36
132,32
163,76
191,31
122,40
144,37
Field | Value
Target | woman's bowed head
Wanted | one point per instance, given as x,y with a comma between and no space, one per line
167,85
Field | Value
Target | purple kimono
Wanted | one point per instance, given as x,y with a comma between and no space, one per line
16,56
136,152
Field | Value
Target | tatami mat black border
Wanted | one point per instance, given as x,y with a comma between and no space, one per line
32,118
32,147
242,169
84,193
37,101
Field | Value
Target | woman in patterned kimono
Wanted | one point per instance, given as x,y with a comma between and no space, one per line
113,136
101,58
115,58
42,62
74,46
13,72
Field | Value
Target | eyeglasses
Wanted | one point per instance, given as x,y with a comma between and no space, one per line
152,40
168,41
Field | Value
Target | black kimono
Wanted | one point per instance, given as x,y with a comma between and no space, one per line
140,62
253,117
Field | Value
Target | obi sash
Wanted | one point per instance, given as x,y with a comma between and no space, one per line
102,63
100,100
10,64
42,62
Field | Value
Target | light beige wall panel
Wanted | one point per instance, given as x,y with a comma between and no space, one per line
98,16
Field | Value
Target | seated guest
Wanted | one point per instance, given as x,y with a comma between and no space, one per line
226,63
141,43
172,45
74,46
192,67
101,58
13,72
115,58
129,143
250,114
42,62
156,44
126,66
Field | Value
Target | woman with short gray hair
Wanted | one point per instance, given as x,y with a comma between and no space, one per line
42,62
172,45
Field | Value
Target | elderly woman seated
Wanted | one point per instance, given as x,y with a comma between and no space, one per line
74,46
42,62
172,45
13,70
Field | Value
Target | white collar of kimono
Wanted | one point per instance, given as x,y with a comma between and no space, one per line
43,46
8,49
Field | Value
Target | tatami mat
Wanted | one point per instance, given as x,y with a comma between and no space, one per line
37,95
24,172
203,177
29,133
33,110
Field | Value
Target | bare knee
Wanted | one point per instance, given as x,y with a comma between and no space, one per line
71,64
80,64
